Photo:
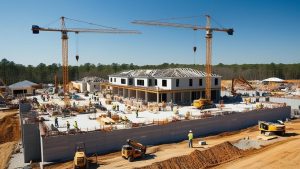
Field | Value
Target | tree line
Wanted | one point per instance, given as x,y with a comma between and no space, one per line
11,72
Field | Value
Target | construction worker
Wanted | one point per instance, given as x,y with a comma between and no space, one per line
109,114
75,125
68,125
56,121
137,113
190,137
171,105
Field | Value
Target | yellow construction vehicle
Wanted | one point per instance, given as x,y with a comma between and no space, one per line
133,150
80,158
203,104
269,128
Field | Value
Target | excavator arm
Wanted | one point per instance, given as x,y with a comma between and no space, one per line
239,80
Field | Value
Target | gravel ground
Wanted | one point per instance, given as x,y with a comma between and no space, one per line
17,160
246,144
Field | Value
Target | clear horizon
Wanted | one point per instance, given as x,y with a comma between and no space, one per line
265,32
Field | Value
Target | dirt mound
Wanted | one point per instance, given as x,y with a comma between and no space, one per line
9,127
6,150
216,155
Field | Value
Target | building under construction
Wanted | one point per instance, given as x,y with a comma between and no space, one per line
179,85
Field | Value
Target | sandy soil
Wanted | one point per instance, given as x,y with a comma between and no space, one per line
284,151
6,150
283,154
9,135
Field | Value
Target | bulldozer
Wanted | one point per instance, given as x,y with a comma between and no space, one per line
133,150
203,104
80,158
269,128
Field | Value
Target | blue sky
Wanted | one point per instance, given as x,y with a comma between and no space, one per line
265,31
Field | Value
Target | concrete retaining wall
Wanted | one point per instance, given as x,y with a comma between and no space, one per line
294,103
30,134
61,148
31,142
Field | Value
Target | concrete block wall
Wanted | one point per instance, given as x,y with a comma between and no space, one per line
30,134
294,103
31,142
62,148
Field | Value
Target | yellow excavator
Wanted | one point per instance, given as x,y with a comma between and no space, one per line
80,158
269,128
203,104
133,150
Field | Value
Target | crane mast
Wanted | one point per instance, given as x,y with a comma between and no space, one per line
65,69
209,30
208,67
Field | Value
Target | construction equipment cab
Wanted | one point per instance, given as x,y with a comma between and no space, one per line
133,150
80,159
203,104
269,128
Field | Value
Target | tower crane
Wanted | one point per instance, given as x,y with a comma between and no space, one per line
64,36
209,30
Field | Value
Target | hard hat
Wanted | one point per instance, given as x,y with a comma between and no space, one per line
190,131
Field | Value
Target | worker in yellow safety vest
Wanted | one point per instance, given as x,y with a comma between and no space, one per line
76,125
190,137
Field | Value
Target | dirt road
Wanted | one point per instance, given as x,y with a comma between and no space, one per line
284,154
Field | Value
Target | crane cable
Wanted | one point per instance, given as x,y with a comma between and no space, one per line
195,47
77,53
90,23
77,45
178,18
50,23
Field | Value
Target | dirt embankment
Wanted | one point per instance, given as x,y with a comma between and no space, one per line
9,135
216,155
6,150
9,127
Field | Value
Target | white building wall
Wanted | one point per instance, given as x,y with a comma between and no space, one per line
117,80
184,83
93,86
159,83
171,82
145,81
